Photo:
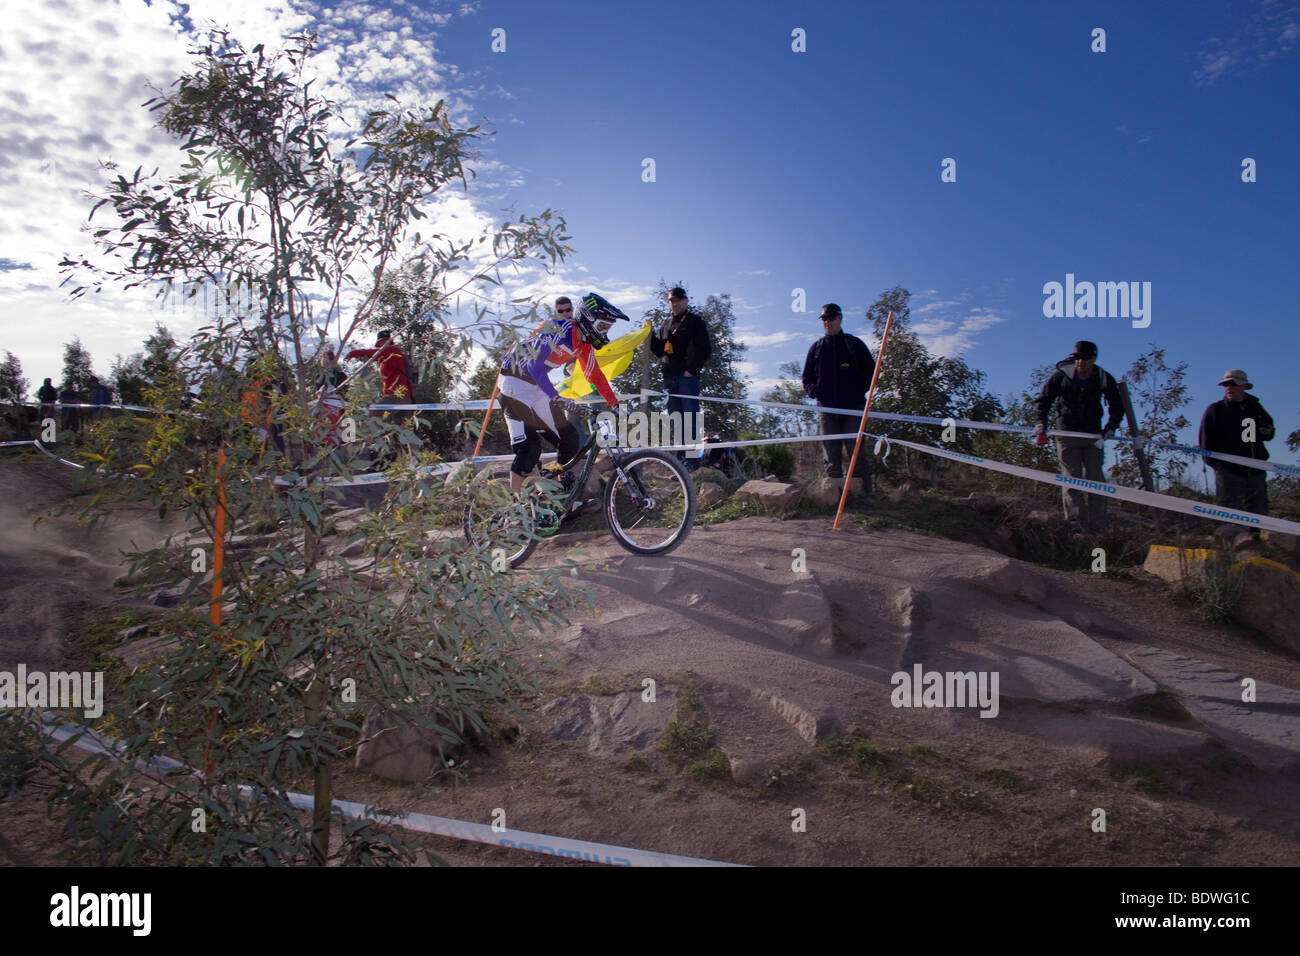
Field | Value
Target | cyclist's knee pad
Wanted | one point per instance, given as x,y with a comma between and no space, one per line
528,450
568,444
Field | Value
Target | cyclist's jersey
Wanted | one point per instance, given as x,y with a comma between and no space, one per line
555,344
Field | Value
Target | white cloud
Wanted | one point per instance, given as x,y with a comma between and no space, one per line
1271,31
759,340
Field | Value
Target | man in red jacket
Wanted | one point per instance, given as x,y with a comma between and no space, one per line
394,380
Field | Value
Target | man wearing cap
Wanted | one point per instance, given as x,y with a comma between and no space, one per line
1077,388
683,344
837,373
1238,425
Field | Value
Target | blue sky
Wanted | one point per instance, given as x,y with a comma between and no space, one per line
778,170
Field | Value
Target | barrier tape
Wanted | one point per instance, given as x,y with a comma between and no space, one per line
88,740
1154,499
1293,470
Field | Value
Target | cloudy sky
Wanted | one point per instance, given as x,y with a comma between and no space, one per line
793,146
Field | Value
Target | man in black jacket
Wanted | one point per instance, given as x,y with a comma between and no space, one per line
683,344
1077,394
837,373
1238,425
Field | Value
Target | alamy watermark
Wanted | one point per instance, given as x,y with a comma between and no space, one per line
923,688
1098,300
73,690
650,429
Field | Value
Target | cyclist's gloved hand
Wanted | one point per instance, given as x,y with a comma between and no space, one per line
1040,435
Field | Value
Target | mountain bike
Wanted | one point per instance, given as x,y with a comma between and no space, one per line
648,501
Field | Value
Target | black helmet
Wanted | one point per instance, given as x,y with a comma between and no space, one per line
593,308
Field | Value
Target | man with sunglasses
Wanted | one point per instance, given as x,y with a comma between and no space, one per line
532,407
837,373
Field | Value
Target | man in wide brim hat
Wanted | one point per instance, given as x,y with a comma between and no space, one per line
1238,425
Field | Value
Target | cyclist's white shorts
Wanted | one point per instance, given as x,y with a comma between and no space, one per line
526,406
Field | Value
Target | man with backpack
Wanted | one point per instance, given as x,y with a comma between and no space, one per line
837,373
1077,388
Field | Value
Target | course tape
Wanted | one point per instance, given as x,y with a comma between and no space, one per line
1283,469
1154,499
88,740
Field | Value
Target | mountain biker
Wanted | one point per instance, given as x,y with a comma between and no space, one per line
530,403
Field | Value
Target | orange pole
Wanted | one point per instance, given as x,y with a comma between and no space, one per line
486,415
218,563
880,360
219,537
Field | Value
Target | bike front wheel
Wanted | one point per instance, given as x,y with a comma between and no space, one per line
649,502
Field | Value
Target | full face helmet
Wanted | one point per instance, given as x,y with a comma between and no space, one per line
594,315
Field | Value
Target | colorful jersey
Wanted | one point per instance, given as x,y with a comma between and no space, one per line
553,345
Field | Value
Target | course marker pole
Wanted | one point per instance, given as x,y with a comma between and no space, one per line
486,415
857,445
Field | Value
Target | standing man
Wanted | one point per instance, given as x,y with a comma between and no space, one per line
837,373
47,395
683,344
1238,425
1077,393
100,396
70,398
395,380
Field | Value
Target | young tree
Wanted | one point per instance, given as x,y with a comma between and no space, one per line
912,381
278,220
13,386
152,368
788,422
78,369
1157,392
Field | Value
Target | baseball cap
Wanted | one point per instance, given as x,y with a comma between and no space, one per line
1085,350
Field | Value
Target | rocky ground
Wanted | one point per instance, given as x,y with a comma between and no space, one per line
771,646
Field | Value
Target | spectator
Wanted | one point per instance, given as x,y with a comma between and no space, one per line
837,373
1077,395
1225,428
100,396
395,379
683,344
47,395
69,398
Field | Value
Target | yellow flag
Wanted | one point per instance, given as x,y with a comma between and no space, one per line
613,359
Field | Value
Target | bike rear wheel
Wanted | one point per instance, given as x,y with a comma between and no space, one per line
650,506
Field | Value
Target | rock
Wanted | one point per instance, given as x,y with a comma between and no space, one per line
710,494
1270,600
801,618
131,633
355,549
1176,564
1264,729
982,503
810,724
610,725
906,493
395,748
827,491
774,495
1286,545
744,771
